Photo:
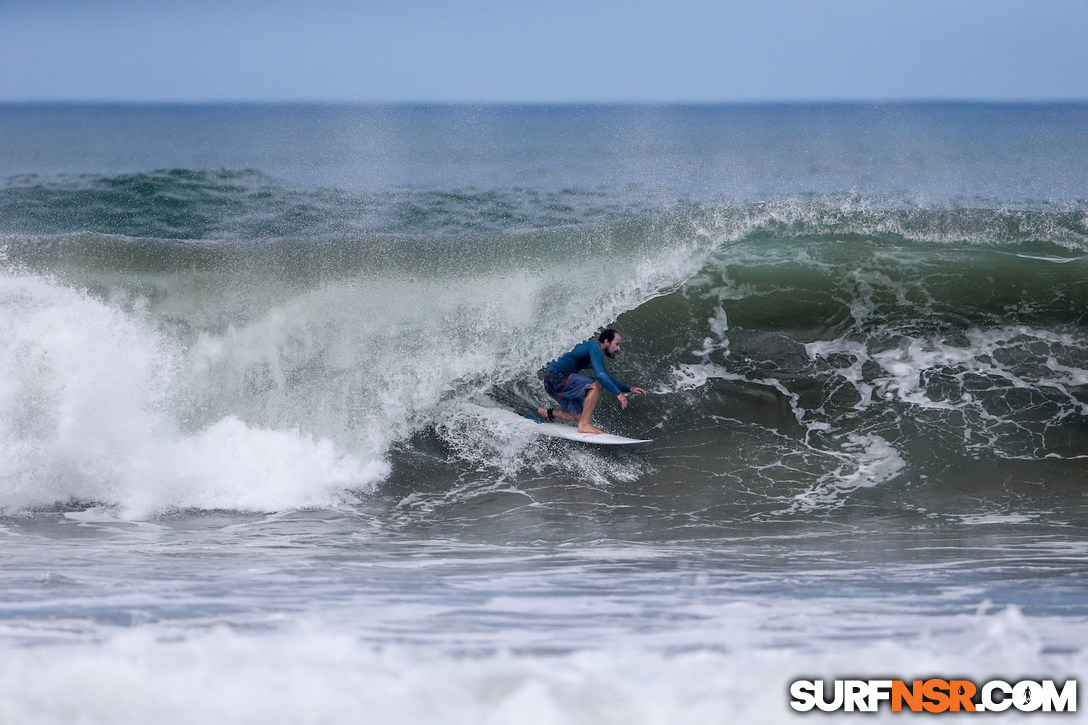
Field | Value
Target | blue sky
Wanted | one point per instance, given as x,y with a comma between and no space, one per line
544,51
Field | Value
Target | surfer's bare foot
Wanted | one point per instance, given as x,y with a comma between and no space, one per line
586,428
542,413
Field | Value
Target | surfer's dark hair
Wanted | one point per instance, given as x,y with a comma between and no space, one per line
607,335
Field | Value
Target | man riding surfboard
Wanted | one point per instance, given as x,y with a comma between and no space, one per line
578,394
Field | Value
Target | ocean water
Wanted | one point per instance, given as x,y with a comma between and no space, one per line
255,456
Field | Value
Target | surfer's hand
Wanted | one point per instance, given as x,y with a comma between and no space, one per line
623,400
637,391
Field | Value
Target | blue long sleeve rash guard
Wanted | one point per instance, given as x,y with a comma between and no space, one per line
588,354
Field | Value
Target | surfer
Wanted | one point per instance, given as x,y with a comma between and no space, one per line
578,394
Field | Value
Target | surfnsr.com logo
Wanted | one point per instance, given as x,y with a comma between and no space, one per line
933,695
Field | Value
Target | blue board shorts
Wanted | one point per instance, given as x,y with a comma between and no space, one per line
568,389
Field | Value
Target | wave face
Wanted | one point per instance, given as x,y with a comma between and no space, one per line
851,341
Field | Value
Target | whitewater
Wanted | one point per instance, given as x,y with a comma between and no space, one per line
257,362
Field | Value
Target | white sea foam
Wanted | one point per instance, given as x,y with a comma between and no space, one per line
864,461
692,376
907,365
482,435
313,676
87,413
976,375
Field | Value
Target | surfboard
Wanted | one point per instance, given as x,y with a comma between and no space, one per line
562,430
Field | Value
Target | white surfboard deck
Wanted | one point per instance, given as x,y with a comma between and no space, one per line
563,430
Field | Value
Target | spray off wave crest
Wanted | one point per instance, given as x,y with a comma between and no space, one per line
240,205
245,205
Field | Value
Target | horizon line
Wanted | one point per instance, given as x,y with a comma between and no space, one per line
920,101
